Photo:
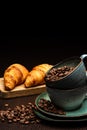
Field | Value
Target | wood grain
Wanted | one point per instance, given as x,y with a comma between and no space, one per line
20,90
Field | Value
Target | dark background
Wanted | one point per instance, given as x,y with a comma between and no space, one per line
34,50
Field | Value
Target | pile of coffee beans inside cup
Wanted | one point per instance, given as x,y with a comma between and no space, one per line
23,114
58,73
48,106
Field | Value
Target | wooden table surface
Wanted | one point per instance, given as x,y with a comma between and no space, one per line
43,125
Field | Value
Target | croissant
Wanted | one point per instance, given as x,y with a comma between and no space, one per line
36,75
14,75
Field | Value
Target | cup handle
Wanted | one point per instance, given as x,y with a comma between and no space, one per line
83,57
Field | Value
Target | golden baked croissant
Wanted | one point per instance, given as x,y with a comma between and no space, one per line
36,75
14,75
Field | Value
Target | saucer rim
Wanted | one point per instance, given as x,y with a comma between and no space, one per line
46,118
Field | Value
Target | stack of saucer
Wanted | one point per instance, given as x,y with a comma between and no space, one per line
77,115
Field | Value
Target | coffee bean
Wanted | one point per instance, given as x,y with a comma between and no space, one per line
48,106
58,73
6,105
23,114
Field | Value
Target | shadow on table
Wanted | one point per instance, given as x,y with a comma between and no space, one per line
78,124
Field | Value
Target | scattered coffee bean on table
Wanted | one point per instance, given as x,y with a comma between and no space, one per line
48,106
58,73
23,114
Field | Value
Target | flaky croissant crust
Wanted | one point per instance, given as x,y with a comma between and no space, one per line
36,75
14,75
